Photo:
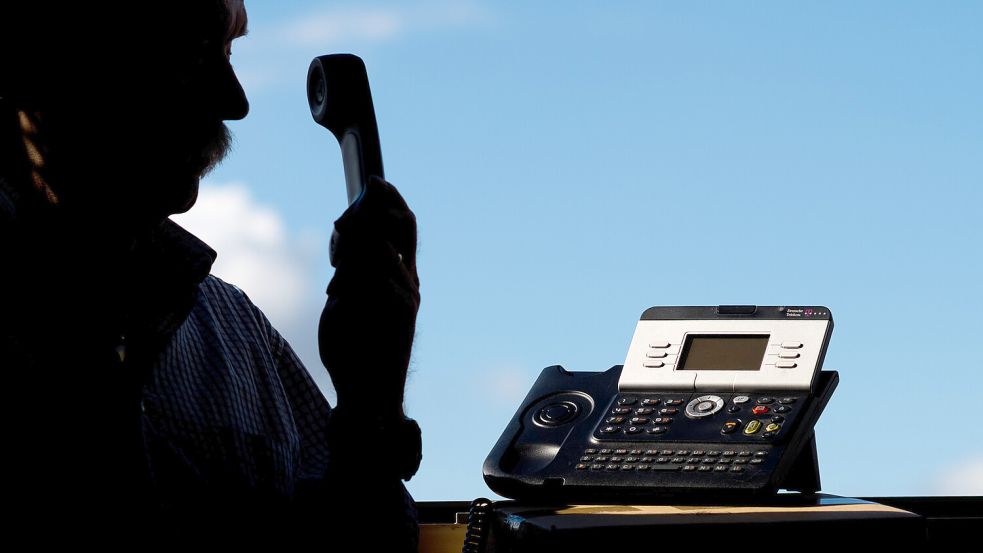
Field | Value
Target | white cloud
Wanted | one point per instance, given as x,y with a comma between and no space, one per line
344,23
274,266
506,384
278,52
255,250
965,478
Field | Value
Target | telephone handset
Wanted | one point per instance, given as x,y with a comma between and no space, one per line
717,401
340,100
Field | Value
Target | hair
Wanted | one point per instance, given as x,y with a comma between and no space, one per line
52,48
66,55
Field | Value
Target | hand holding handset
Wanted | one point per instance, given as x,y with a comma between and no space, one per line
341,101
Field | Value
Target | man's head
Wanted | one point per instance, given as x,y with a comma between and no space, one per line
119,106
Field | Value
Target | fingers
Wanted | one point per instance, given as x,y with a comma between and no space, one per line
373,297
378,232
374,249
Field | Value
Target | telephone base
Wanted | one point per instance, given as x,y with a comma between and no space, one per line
555,449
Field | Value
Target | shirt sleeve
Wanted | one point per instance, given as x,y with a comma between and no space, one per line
324,500
308,405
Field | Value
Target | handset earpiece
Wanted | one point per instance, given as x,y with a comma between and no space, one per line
341,101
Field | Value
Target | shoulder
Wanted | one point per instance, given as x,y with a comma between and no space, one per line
227,310
224,304
215,287
218,294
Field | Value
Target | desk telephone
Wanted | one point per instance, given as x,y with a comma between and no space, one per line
715,401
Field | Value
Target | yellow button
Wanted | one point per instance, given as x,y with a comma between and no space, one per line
752,427
773,427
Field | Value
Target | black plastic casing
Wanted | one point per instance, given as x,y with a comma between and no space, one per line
533,461
340,100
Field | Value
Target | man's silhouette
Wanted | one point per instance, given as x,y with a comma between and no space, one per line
142,395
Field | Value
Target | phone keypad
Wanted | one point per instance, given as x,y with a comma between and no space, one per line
649,416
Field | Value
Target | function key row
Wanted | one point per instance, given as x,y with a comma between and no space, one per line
649,402
645,411
676,401
610,430
765,400
761,409
659,468
760,453
754,426
672,460
618,419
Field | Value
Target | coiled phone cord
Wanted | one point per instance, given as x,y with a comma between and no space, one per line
478,520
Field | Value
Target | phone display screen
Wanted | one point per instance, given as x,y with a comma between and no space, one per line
723,352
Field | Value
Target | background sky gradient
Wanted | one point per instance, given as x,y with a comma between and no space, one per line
573,163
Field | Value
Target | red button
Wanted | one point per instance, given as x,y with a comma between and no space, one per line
760,409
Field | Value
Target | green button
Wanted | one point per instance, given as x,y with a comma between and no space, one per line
752,427
773,427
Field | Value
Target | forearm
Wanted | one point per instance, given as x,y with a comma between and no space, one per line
365,340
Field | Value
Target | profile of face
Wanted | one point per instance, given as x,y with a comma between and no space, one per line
134,117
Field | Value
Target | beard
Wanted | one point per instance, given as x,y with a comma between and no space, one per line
163,175
212,145
206,151
133,175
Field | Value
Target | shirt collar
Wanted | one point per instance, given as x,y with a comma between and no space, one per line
178,254
158,286
169,252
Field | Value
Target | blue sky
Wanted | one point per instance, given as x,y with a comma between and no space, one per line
574,163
